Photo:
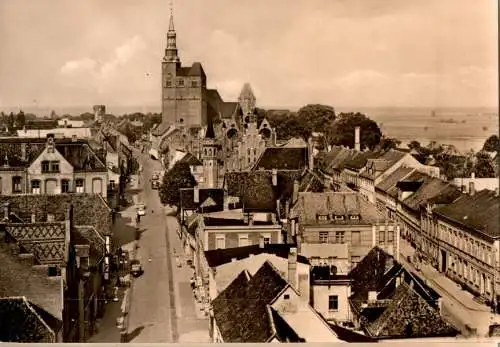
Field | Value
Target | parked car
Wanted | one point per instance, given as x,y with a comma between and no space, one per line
136,268
141,209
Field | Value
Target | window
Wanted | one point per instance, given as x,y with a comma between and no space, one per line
65,186
112,184
355,261
381,237
390,236
35,187
286,296
339,217
80,185
266,238
180,83
333,303
356,237
16,185
169,83
220,242
323,237
339,237
354,217
255,152
242,240
45,166
322,217
194,84
54,166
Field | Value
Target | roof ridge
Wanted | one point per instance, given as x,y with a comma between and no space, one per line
271,322
30,307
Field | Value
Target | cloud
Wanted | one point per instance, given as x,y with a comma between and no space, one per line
84,64
123,54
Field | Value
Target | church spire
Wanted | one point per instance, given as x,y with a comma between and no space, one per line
171,51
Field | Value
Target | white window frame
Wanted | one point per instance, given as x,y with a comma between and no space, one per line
333,309
36,190
220,237
243,240
78,188
264,237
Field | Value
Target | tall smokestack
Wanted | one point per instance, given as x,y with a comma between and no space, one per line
310,155
472,189
357,140
292,267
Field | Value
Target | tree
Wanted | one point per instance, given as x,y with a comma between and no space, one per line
20,119
483,167
387,143
178,177
342,130
492,144
414,145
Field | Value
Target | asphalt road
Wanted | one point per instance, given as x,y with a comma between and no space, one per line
152,316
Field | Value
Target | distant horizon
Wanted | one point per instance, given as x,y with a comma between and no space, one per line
157,109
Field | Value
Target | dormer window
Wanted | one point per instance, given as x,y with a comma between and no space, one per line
322,217
339,217
354,217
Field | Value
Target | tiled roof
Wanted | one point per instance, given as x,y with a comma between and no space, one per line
88,209
431,188
391,180
21,279
310,205
360,160
350,336
311,182
161,129
241,309
22,321
382,163
215,194
223,256
256,190
191,160
282,158
480,212
81,157
371,274
409,315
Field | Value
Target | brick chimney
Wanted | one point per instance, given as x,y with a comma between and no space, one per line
275,177
310,154
357,138
23,151
6,210
196,193
292,267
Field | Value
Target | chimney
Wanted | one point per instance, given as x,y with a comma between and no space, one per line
6,210
33,218
261,242
275,177
233,260
23,151
292,267
273,137
357,138
496,192
196,195
310,154
473,175
250,219
295,192
472,190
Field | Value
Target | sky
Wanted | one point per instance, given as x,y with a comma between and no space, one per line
344,53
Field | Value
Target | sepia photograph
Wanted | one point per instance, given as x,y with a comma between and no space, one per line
253,171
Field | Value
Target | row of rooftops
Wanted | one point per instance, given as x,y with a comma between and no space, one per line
22,152
386,296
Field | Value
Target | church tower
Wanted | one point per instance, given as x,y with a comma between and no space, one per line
247,104
210,157
170,65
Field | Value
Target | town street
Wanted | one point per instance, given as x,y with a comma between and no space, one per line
458,305
162,305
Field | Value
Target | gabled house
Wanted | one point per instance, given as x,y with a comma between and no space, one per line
343,219
195,165
376,170
386,192
265,308
390,302
26,322
50,166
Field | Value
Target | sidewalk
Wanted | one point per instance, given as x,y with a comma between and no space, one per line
193,324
